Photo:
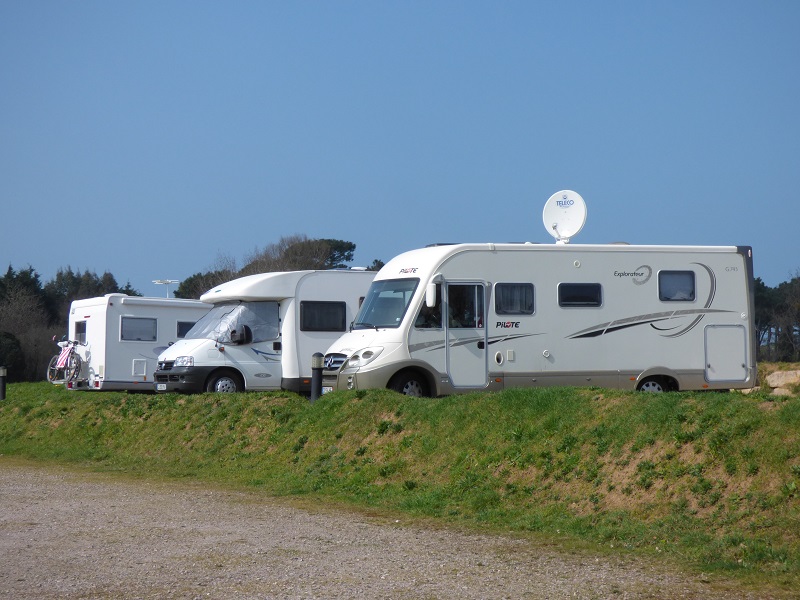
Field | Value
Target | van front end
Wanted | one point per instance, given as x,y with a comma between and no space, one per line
353,377
178,371
373,367
345,369
181,379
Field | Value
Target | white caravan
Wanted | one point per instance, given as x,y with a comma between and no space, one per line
121,336
651,318
262,331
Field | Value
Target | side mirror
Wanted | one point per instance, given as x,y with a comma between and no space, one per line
430,295
242,335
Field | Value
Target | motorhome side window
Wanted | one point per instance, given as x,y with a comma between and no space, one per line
139,329
513,299
183,328
323,316
386,303
80,332
580,295
676,286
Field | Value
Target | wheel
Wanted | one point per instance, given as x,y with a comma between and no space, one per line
54,374
652,384
409,384
73,367
225,382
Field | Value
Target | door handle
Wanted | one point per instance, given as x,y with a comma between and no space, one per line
481,345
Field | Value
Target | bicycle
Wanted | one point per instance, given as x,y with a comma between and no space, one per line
66,365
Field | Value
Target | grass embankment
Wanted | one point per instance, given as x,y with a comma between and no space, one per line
709,478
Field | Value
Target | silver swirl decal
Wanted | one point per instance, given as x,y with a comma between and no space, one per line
647,272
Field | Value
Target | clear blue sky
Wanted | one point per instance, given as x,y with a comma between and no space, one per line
151,138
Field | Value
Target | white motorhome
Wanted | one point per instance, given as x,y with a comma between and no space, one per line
262,331
121,336
464,317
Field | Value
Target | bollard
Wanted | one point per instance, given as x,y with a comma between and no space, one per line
317,362
3,372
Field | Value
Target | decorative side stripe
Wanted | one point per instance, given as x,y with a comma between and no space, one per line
650,319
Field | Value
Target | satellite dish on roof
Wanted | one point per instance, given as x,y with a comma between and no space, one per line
564,215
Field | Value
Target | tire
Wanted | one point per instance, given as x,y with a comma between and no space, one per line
73,369
225,382
409,384
652,384
54,374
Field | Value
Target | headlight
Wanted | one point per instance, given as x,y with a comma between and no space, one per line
364,357
184,361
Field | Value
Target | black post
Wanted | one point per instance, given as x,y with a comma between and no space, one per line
317,362
3,372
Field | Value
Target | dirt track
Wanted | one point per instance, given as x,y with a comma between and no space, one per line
71,534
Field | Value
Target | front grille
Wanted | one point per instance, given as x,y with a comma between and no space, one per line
165,365
334,361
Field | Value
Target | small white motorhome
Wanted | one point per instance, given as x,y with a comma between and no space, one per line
121,336
262,331
465,317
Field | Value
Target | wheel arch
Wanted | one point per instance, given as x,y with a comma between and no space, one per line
668,378
424,374
225,370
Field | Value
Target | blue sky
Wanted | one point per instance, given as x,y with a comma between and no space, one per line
153,138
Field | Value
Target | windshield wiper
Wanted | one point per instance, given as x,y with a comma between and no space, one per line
367,325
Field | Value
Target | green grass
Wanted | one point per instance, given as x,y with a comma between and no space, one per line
711,479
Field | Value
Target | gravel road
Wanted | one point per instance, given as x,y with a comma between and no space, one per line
70,534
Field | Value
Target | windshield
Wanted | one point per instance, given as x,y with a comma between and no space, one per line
217,323
386,303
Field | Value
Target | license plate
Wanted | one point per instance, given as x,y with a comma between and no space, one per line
326,389
161,386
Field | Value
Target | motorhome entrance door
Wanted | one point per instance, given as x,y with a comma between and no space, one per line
466,334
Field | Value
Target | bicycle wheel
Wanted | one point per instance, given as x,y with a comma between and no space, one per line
73,367
54,374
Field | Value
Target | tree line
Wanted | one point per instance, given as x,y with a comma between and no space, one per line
292,253
33,313
778,320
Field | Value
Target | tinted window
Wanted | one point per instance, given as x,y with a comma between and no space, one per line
80,332
430,317
465,305
580,294
513,299
676,286
139,329
184,327
323,316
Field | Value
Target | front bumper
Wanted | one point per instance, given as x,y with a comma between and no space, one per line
355,379
186,380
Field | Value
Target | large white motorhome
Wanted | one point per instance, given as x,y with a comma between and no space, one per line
465,317
121,336
262,331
